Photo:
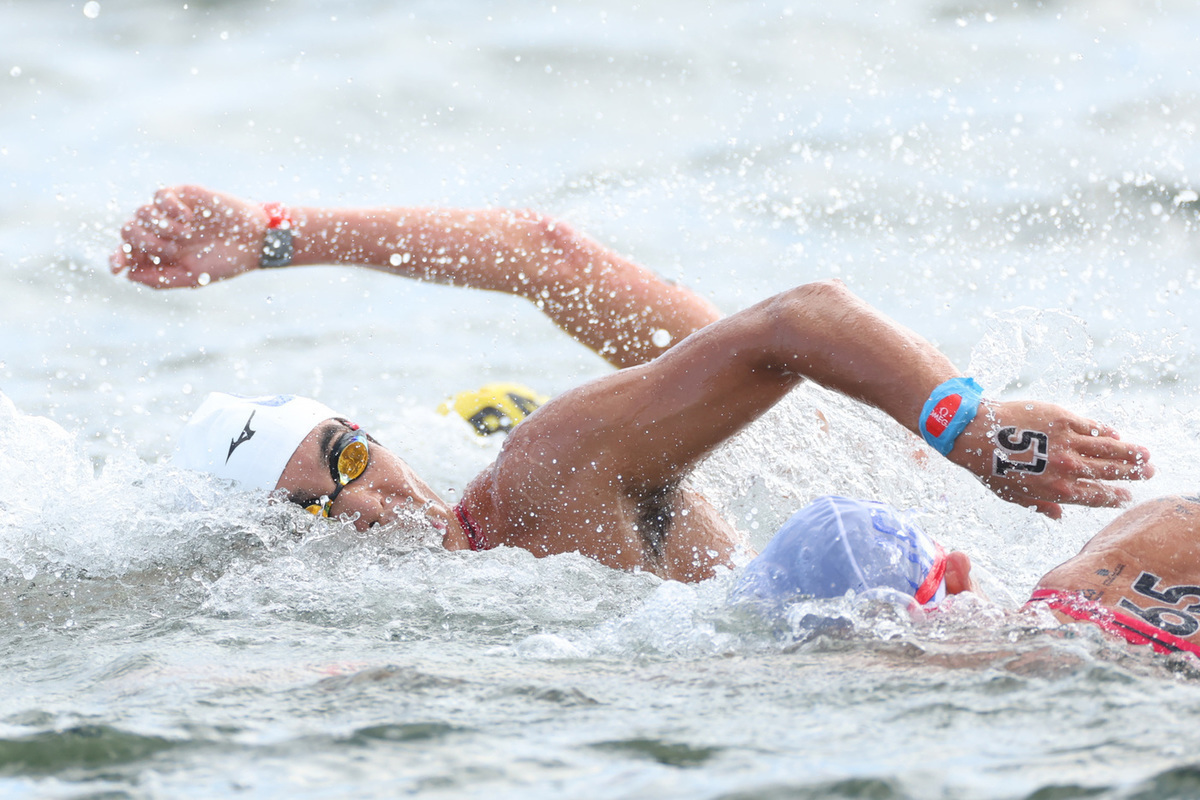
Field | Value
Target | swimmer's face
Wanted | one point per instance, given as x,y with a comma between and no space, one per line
370,499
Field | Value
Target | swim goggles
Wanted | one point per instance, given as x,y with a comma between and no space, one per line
346,463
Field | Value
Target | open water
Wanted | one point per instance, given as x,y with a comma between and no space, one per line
1015,179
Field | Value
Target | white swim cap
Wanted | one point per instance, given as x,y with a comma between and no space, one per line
248,439
835,545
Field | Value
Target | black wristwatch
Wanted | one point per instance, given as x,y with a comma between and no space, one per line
277,244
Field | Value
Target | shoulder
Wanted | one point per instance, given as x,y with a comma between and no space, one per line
1157,536
1169,516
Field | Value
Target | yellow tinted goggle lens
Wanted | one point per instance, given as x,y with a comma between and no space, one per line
352,461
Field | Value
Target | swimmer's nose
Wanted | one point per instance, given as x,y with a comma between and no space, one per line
372,505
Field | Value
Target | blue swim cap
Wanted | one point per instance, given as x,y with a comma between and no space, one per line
837,544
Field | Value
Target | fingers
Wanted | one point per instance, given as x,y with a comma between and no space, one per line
153,236
159,278
1095,440
170,205
1046,496
1112,469
1088,427
1053,457
119,260
1051,510
167,219
1107,458
1045,507
1049,502
1094,494
189,236
1087,480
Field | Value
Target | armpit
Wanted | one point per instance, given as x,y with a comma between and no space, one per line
654,523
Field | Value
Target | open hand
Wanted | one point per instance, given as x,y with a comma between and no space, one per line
1040,455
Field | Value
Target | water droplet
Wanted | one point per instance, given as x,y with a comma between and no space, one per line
204,279
91,10
661,338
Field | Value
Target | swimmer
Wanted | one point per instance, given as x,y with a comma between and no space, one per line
1138,579
599,469
837,545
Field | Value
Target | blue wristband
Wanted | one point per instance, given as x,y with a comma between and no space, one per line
948,410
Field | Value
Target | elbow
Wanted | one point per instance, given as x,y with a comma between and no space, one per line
812,300
552,236
828,291
537,231
799,326
558,254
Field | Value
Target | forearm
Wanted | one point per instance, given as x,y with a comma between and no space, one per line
191,236
1033,453
670,414
719,381
621,310
824,333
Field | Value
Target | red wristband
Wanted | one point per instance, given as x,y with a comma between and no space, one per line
278,215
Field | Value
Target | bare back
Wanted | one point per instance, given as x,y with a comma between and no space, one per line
1145,564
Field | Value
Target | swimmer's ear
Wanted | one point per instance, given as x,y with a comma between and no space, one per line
958,573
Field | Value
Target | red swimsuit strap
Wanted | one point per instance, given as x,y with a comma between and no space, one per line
1131,629
476,537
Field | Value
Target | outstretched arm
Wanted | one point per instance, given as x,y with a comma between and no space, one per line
190,236
646,427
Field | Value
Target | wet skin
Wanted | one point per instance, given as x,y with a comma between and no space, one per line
389,483
691,526
1145,564
601,469
370,499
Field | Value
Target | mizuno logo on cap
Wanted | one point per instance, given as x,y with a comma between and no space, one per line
246,435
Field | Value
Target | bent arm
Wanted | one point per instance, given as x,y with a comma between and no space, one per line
655,422
620,310
190,236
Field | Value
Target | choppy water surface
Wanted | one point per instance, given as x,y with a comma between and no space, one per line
1016,180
